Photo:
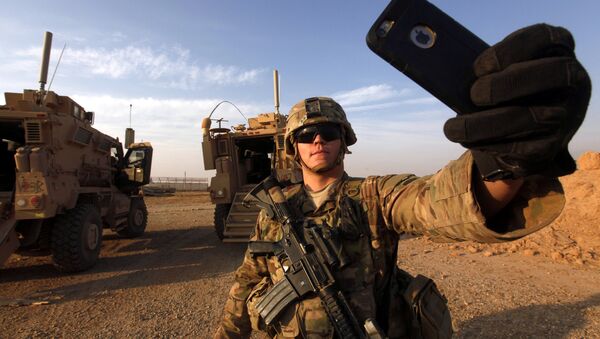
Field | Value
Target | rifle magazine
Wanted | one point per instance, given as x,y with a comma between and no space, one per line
276,300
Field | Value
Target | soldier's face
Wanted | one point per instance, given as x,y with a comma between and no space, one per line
320,153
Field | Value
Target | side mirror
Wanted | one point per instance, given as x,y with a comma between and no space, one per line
205,126
138,164
89,117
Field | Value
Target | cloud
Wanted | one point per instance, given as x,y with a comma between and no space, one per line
170,67
375,129
378,97
229,74
24,66
173,126
171,118
118,36
368,94
372,107
397,124
418,101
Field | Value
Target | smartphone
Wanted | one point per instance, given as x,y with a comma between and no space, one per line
430,47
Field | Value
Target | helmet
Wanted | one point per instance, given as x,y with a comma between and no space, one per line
313,111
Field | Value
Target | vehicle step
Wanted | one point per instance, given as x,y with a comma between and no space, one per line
240,224
245,221
240,203
235,240
237,234
235,209
245,229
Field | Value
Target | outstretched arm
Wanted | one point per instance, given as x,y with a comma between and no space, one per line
448,206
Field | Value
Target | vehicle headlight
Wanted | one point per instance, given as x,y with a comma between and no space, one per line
21,202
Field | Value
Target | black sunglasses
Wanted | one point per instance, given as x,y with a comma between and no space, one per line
328,132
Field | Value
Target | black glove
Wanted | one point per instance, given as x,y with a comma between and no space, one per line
536,94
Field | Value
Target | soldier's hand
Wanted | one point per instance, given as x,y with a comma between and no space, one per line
534,95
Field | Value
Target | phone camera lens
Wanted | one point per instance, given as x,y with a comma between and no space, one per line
384,28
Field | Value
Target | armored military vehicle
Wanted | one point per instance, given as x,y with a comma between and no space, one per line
62,181
242,157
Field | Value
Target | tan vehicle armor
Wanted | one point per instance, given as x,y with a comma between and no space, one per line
62,181
243,156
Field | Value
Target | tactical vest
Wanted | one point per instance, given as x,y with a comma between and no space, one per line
371,282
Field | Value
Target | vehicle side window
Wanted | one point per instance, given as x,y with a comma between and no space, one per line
136,156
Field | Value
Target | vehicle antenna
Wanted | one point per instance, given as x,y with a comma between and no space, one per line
220,120
56,68
45,60
130,106
229,102
276,90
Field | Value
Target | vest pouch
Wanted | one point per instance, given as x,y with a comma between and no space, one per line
399,313
313,319
430,316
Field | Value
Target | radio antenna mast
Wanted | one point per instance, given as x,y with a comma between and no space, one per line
57,64
276,90
45,60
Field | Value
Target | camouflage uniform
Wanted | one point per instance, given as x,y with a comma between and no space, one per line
441,206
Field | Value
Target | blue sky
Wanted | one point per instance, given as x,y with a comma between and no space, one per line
174,61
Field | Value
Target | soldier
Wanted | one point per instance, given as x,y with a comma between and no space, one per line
540,94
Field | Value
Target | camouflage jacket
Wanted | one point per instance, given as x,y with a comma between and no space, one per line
441,206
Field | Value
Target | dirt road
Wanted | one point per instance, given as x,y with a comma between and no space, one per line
172,282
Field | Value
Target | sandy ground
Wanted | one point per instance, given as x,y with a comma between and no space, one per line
173,281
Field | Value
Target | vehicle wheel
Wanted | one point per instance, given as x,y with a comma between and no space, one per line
76,239
136,220
221,212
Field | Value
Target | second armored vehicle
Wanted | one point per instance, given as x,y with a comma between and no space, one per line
242,157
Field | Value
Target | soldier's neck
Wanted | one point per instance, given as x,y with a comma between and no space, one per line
318,181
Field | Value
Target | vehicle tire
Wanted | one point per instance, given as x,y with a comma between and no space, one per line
221,212
76,239
136,220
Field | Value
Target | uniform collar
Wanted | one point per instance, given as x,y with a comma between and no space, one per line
302,198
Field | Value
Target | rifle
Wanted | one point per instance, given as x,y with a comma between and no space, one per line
312,253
